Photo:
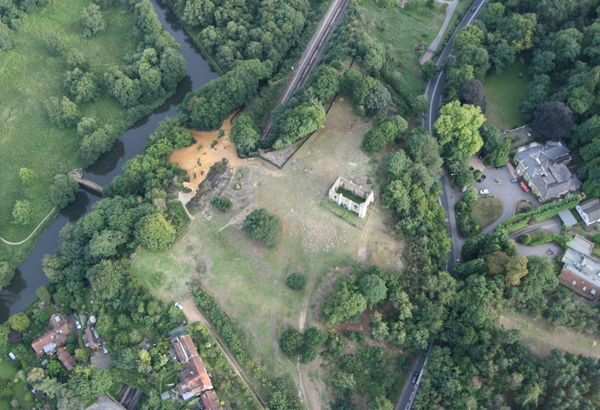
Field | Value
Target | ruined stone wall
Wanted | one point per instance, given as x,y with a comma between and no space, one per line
360,209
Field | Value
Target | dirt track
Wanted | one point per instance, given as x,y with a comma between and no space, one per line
311,54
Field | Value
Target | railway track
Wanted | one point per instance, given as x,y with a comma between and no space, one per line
311,54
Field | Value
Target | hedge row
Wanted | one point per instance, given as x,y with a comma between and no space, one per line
542,212
208,305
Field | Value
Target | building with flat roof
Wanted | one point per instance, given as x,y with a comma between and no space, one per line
581,270
55,338
545,168
589,211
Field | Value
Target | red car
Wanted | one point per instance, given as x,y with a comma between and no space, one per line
523,186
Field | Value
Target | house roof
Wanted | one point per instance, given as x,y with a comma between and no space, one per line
592,208
184,348
194,377
66,359
546,168
56,337
581,245
91,338
567,217
210,401
579,283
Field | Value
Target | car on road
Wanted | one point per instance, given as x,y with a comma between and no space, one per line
501,166
415,377
524,187
474,9
483,192
482,178
514,180
177,305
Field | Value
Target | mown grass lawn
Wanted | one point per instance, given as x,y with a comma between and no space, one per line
400,35
486,210
28,76
504,93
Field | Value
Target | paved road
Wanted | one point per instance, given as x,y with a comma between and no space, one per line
434,93
432,49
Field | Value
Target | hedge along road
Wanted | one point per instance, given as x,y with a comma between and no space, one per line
29,275
31,234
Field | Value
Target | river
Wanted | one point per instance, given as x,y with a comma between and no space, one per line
29,276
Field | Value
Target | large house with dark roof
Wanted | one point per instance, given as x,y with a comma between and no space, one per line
581,270
194,378
545,168
589,211
55,338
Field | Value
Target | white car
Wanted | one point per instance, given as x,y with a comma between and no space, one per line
484,192
177,305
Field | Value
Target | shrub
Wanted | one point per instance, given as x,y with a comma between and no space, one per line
6,274
477,174
295,281
525,239
43,294
261,224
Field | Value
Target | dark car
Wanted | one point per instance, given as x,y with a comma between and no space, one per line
474,9
501,166
514,180
414,377
481,155
482,178
471,169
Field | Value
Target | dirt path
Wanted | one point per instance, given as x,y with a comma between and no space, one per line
194,315
239,216
31,234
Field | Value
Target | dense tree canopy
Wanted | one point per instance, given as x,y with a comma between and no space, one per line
63,190
459,125
261,224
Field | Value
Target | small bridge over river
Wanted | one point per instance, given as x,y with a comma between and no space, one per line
78,175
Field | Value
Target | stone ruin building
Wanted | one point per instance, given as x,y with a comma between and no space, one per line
340,199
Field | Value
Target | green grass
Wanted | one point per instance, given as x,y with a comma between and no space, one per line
432,18
504,93
28,76
401,36
486,210
7,374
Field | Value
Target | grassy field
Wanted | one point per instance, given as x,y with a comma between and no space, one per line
28,76
540,338
248,279
486,210
401,36
432,18
7,374
504,94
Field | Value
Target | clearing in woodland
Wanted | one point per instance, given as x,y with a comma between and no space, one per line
248,279
29,75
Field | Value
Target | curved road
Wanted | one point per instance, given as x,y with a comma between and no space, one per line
434,93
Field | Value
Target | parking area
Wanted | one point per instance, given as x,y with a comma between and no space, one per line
509,193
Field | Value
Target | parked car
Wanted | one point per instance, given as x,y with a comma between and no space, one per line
482,178
77,324
481,155
524,187
483,192
471,169
177,305
415,377
501,166
514,180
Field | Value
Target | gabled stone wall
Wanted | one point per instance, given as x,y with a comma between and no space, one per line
360,209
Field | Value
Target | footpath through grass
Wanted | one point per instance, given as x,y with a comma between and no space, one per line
28,76
504,93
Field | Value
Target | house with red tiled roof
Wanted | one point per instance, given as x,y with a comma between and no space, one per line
194,378
210,401
54,339
66,359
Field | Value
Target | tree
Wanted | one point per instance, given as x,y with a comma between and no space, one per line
155,232
28,176
380,328
518,30
377,100
296,281
76,59
492,138
377,138
472,92
344,304
261,224
244,134
325,82
90,382
96,144
492,14
373,289
459,125
343,382
62,113
43,294
380,403
63,190
291,342
172,67
22,212
19,322
516,269
428,70
374,59
553,120
92,21
301,121
7,273
500,155
82,355
83,86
